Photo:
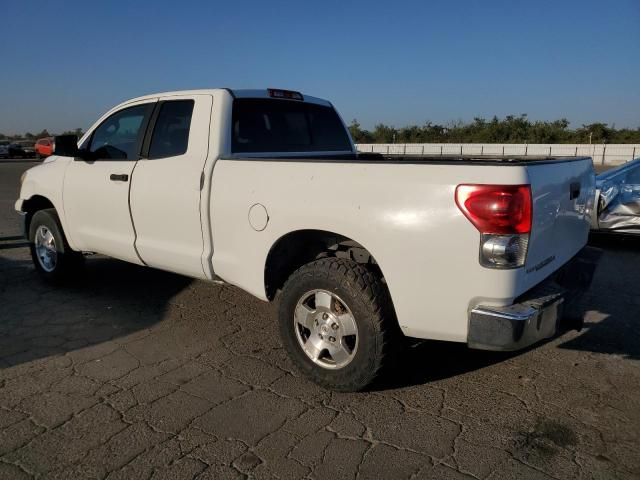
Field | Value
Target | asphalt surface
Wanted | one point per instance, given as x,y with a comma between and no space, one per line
136,373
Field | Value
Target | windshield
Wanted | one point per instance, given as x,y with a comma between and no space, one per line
264,125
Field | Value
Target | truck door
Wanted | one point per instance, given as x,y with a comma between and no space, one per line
165,189
96,189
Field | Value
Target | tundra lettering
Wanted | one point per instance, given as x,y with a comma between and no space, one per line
542,264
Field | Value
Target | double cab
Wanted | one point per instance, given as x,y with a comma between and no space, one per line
265,190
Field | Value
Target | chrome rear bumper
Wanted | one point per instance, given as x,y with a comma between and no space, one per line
536,315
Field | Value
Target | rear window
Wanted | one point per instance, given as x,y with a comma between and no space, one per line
171,132
263,125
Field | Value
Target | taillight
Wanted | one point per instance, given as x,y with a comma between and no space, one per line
496,208
502,214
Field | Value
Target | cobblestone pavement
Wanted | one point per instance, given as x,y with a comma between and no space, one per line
135,373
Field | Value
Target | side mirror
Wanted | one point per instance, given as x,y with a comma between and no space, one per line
66,146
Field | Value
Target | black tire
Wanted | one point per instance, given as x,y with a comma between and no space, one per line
366,296
67,262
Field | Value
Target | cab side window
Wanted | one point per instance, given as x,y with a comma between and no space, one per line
119,136
171,131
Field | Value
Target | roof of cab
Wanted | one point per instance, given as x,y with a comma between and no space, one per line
237,93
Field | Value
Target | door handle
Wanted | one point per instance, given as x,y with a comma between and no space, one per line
574,190
115,177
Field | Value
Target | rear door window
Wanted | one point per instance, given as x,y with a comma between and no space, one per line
265,125
171,132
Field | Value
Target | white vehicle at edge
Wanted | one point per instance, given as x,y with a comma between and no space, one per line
263,189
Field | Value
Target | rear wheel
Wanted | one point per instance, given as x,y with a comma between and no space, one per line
337,323
51,254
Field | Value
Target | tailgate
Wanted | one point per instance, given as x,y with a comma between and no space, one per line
563,194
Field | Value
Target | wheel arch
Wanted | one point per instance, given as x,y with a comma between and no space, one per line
298,247
32,205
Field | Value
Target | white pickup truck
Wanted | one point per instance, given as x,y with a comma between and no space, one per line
263,189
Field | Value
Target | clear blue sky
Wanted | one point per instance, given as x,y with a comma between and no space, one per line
66,62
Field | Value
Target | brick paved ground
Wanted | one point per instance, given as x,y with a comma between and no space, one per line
135,373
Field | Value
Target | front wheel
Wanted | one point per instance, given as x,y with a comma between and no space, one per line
337,323
51,254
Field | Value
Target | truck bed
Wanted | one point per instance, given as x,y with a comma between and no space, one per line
471,159
420,159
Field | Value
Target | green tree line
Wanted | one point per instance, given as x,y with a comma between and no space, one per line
511,129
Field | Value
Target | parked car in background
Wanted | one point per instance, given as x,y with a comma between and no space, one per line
4,149
22,149
44,147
